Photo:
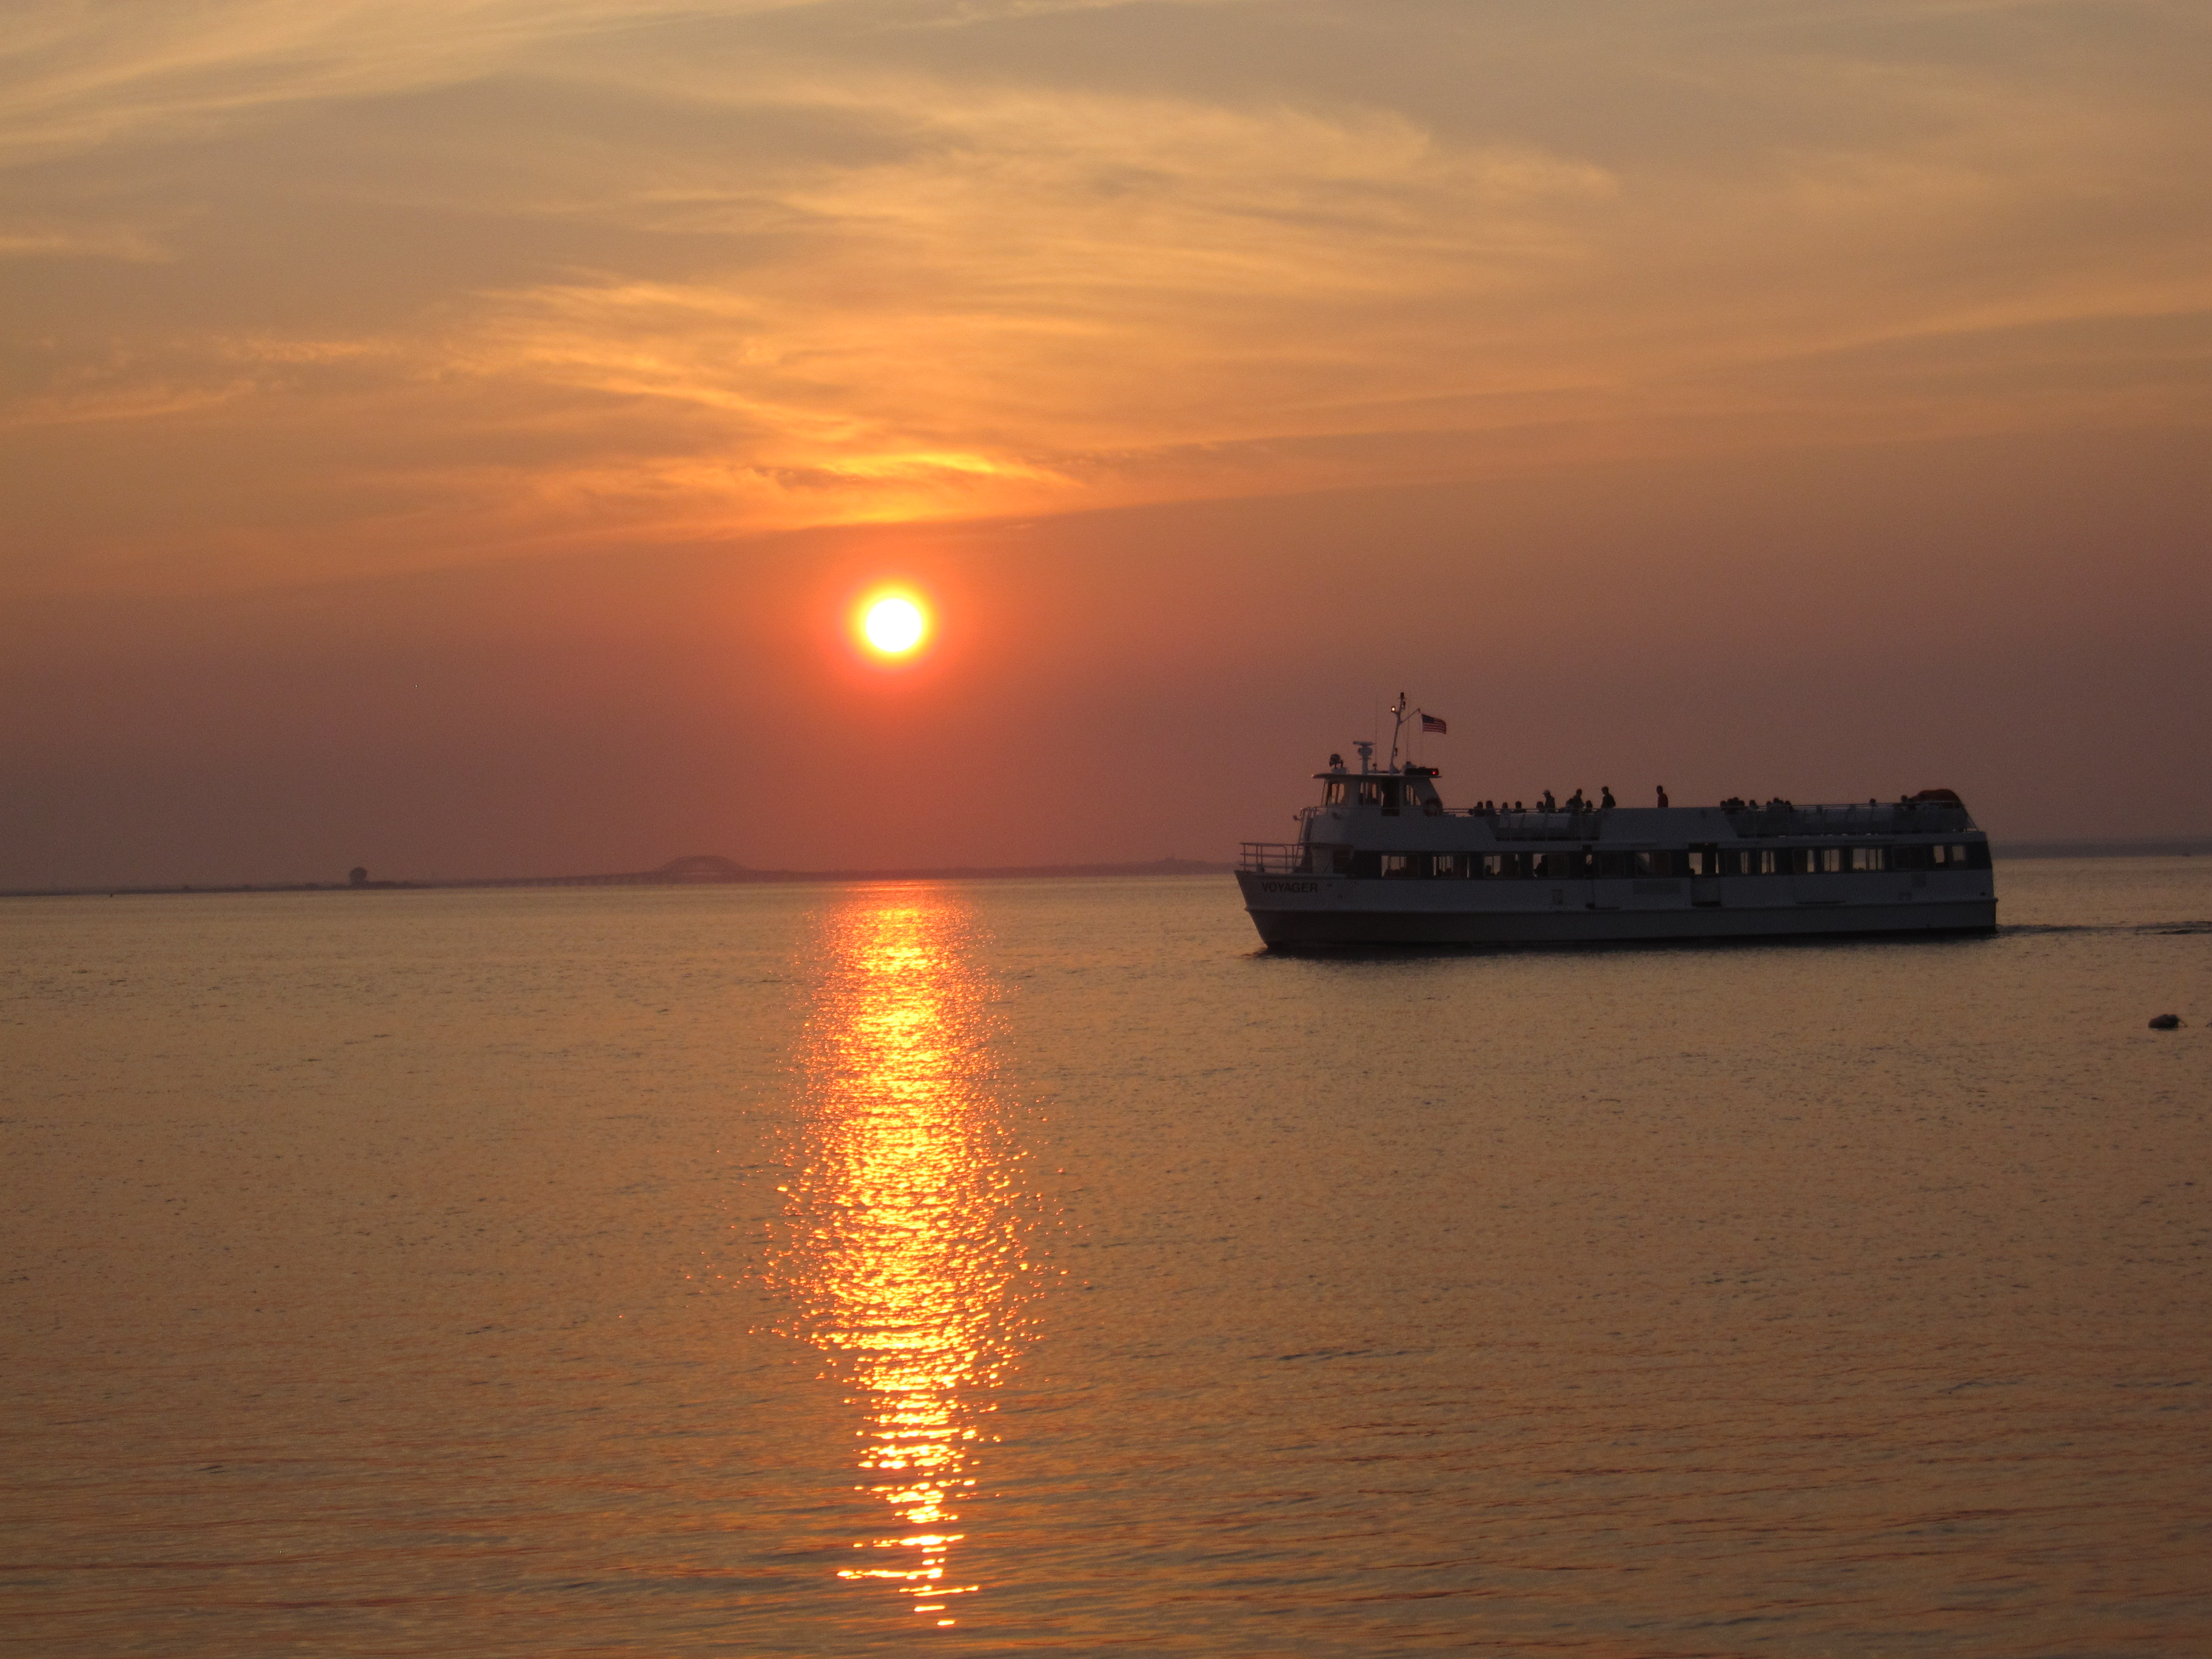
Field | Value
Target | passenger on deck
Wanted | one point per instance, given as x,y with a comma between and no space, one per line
1575,801
1547,805
1662,794
1605,798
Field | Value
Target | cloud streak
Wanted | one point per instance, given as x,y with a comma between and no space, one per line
694,270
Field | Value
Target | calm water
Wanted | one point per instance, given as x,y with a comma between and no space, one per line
1032,1265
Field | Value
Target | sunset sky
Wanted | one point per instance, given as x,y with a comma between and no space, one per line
451,436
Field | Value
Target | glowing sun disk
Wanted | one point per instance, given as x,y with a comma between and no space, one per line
894,625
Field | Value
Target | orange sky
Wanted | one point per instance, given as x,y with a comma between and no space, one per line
447,436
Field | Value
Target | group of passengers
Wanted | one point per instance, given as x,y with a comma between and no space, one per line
1735,804
1579,802
1547,803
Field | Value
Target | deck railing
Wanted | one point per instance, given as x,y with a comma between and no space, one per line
1873,818
1286,858
1893,818
1546,826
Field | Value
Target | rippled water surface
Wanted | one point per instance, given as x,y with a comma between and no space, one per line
745,1271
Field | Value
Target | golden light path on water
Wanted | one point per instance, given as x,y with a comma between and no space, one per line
907,1249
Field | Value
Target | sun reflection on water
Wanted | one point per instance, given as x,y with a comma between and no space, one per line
908,1251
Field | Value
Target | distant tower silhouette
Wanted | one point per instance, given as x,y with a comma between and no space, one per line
358,876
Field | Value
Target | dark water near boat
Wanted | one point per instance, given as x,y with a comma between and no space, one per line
1033,1265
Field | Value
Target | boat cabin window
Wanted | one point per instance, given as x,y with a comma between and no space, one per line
1379,792
1332,793
1870,857
1755,861
1398,864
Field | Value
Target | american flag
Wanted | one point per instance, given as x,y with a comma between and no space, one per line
1431,723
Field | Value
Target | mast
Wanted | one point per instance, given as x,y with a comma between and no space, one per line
1397,724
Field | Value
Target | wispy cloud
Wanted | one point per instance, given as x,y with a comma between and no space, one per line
79,73
33,237
687,267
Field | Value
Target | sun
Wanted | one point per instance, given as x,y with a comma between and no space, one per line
894,626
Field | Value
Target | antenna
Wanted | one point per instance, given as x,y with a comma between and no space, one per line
1397,724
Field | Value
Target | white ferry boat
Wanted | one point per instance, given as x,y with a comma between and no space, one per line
1382,860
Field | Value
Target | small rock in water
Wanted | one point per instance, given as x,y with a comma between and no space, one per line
2166,1023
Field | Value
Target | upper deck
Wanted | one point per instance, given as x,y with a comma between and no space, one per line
1384,800
1402,813
1669,826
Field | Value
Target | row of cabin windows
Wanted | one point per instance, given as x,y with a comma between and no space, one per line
1388,794
1670,862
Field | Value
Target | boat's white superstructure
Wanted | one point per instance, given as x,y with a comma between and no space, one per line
1383,861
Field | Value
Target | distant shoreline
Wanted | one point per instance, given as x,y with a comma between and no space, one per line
2175,847
734,876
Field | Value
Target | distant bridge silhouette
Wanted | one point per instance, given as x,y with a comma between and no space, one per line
698,866
692,867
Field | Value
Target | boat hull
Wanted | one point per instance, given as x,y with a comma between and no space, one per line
1347,911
